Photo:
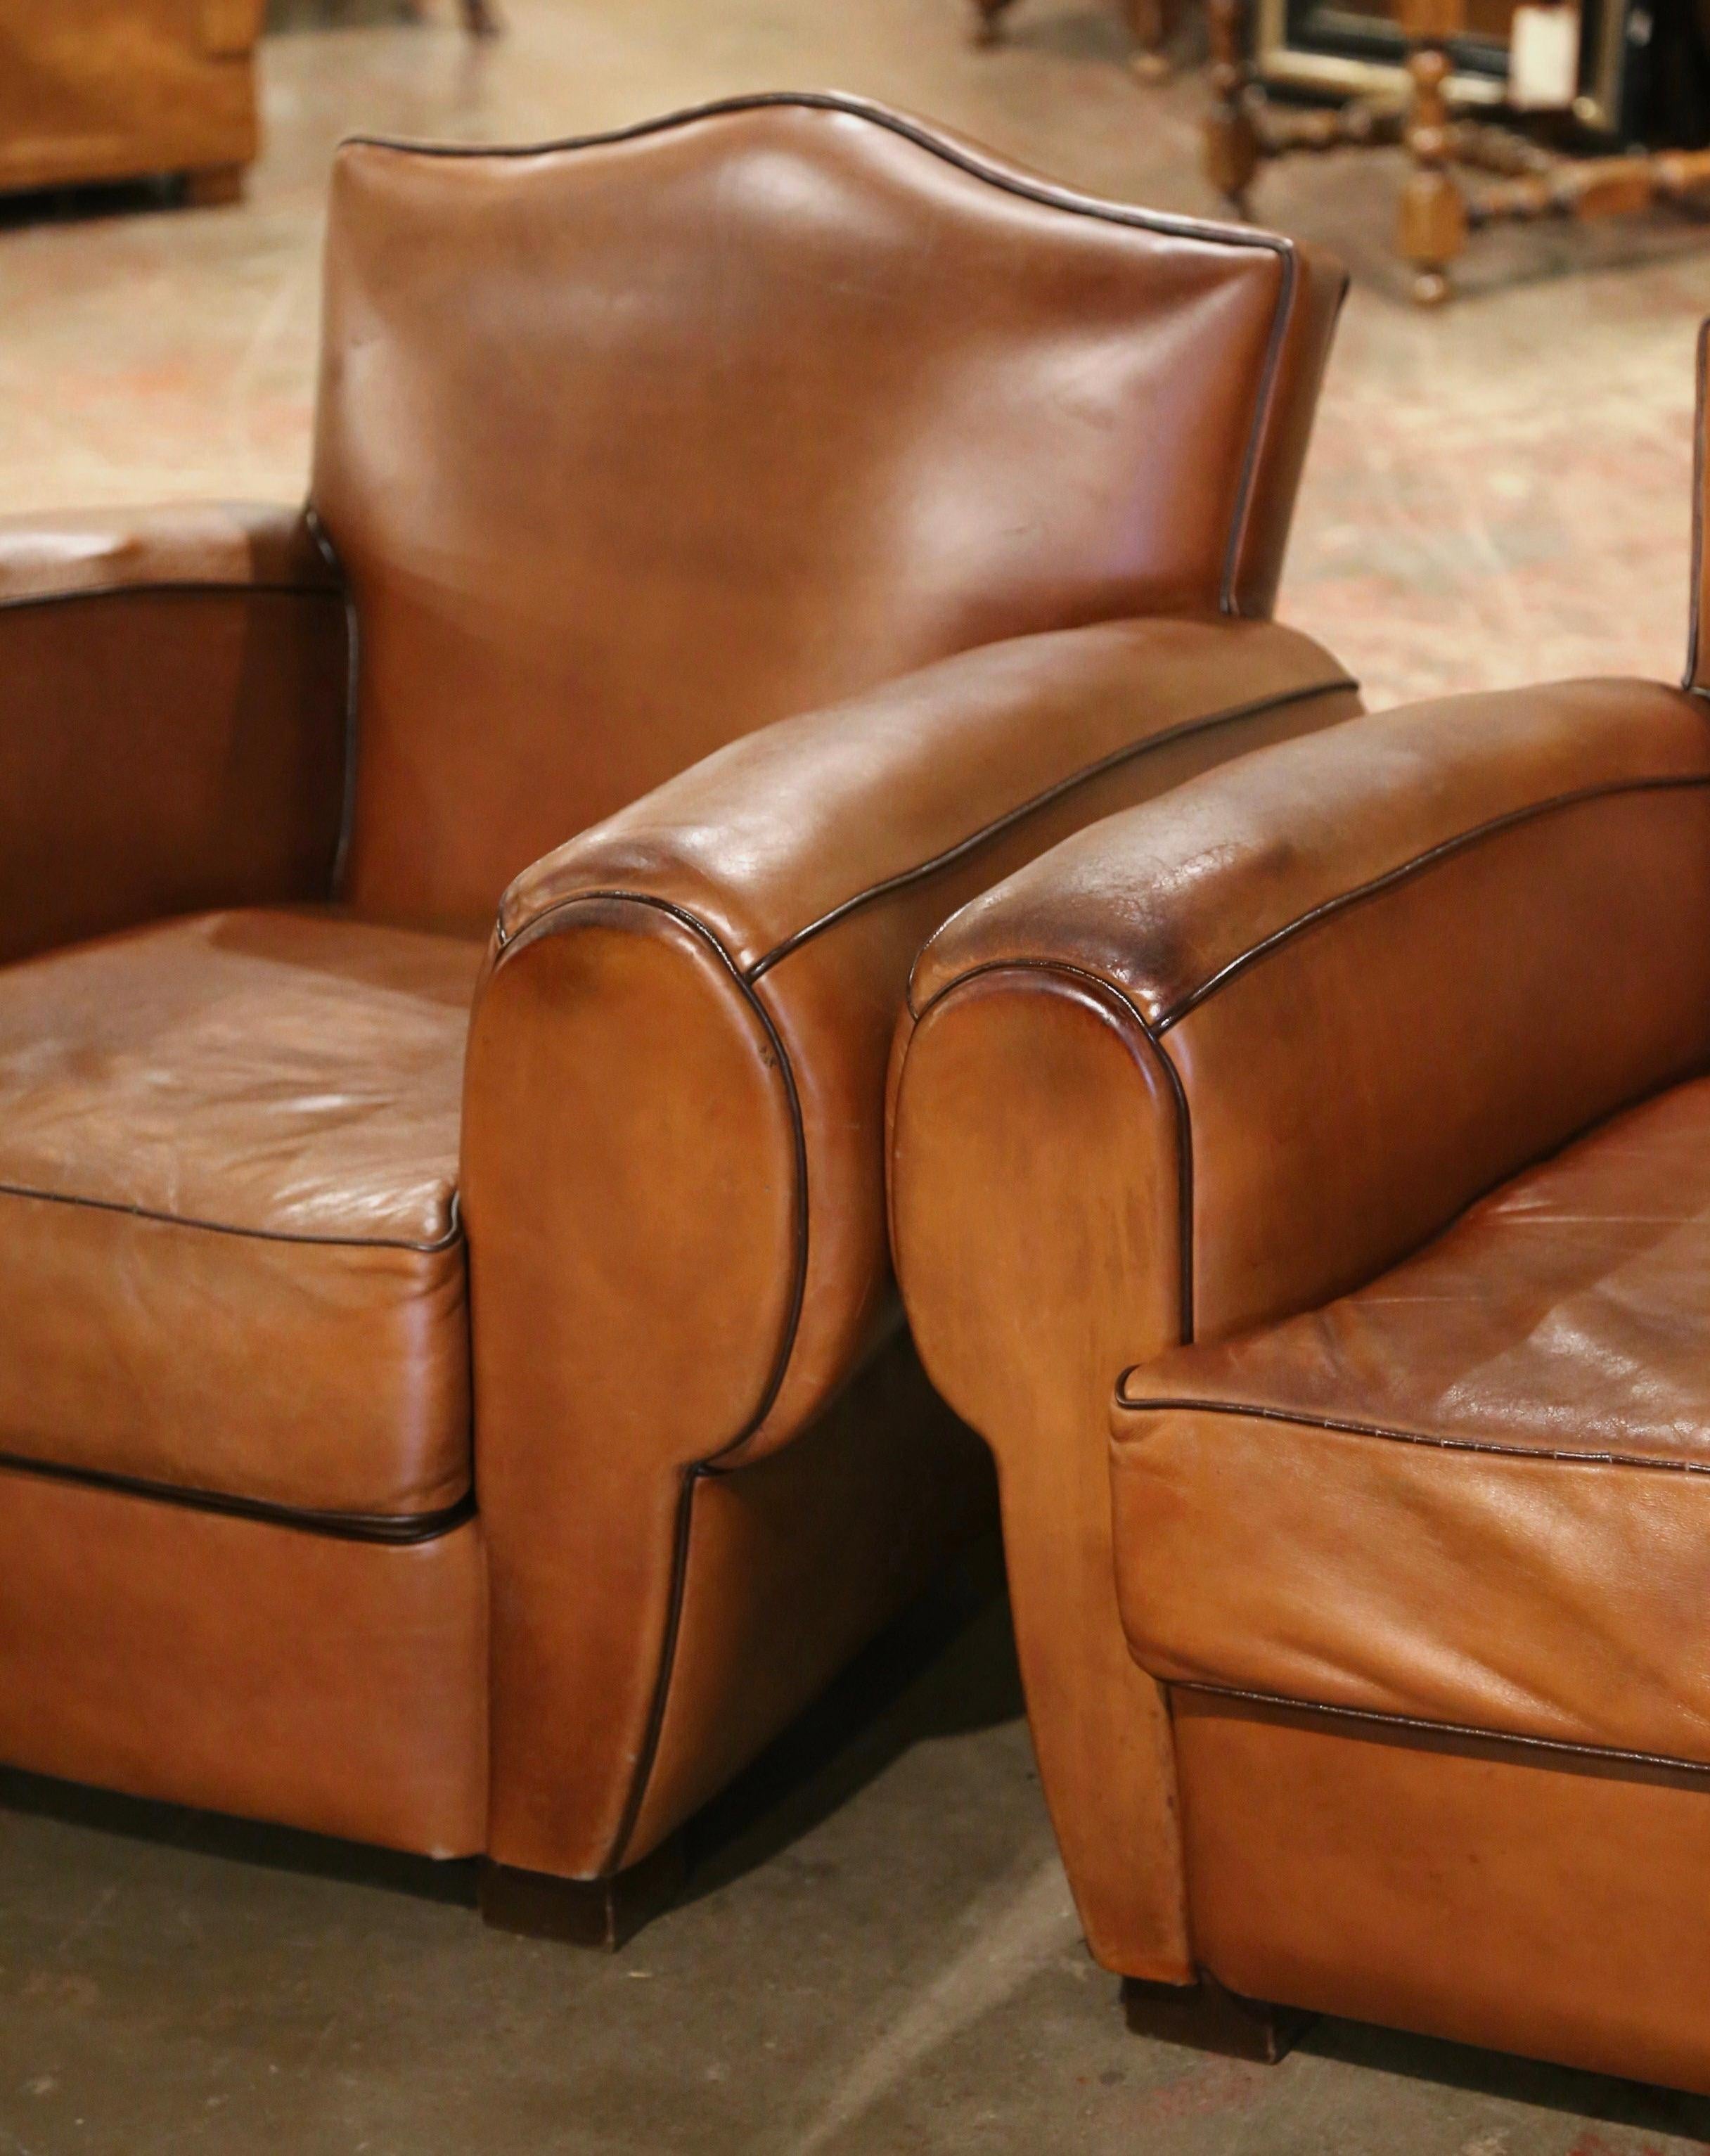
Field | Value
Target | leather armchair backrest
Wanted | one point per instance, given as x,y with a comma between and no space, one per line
630,446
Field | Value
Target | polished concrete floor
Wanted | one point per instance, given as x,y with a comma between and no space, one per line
877,1957
878,1953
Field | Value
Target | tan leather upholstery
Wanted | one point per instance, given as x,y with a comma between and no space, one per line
1494,1895
841,454
1354,1092
1477,1492
830,517
230,1259
171,1651
175,687
743,937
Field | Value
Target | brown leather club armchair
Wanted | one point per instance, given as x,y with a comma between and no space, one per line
489,1454
1357,1093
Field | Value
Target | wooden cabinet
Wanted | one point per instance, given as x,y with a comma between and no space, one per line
116,90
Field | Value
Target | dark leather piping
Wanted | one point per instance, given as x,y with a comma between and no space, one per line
185,587
452,1234
1184,1121
1701,476
352,668
1561,1744
774,1382
1269,371
654,1727
1014,183
398,1531
1378,885
1046,798
1248,1411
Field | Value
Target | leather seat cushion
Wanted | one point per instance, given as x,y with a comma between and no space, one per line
230,1259
1475,1492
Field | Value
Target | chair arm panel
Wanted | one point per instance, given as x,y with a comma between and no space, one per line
1389,967
174,684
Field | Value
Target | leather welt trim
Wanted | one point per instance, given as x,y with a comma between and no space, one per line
1204,722
1460,842
1414,1721
398,1530
340,589
1565,1454
169,587
1044,192
452,1235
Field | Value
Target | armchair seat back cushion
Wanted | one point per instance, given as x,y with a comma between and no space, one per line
1475,1492
230,1259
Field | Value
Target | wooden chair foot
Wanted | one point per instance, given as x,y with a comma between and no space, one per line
1207,2018
583,1912
213,185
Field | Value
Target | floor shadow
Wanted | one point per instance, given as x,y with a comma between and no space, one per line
946,1666
84,204
1611,2102
242,1841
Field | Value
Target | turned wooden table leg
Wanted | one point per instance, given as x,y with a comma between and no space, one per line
1432,231
213,185
1230,138
1152,23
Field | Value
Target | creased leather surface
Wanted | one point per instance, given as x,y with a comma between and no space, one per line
292,1079
743,415
1160,901
1526,1550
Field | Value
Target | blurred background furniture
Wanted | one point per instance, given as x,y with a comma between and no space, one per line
480,18
1507,112
123,90
1153,22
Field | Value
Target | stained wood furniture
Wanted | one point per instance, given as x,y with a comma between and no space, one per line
1439,90
1152,22
122,89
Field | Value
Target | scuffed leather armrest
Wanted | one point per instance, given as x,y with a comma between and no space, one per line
1369,975
174,684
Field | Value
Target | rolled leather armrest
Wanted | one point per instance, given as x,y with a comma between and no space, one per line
1382,970
803,866
673,1171
175,685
